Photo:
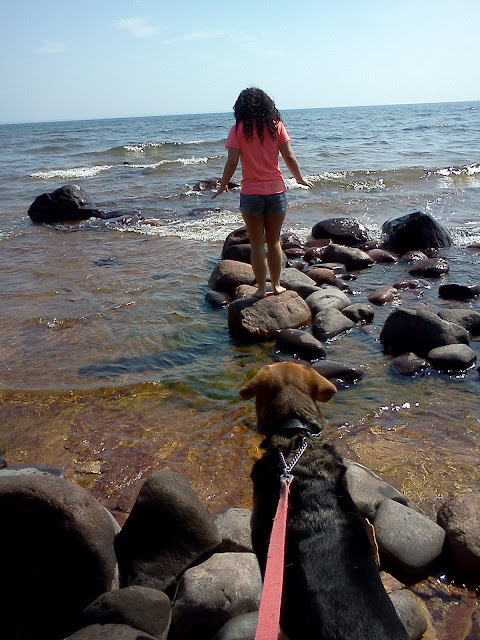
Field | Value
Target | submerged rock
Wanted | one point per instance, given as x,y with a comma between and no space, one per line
430,268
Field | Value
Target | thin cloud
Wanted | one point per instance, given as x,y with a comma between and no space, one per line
52,46
137,27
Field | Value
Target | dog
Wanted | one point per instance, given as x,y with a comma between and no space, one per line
332,588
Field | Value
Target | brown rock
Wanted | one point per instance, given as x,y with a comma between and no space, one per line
460,517
227,275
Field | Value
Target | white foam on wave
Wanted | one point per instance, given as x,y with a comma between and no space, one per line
212,228
468,170
69,174
141,147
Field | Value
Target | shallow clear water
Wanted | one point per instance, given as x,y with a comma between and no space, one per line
113,363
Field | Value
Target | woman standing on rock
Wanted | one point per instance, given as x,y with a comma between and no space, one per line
256,139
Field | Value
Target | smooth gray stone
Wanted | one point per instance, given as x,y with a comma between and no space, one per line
234,526
452,357
411,616
407,537
460,517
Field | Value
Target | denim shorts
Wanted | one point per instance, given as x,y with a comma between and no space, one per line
256,205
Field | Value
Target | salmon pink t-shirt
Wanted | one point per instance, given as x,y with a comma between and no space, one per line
261,173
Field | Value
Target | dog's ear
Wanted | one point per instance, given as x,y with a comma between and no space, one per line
321,388
250,388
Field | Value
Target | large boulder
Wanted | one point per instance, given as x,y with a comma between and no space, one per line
260,319
347,231
167,529
210,594
327,297
239,236
418,331
56,554
227,275
416,230
62,205
460,517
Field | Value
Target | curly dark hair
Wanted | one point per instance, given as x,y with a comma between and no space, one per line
253,106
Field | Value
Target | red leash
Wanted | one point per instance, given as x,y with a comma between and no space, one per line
269,613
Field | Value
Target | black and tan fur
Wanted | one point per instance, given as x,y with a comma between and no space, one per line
332,587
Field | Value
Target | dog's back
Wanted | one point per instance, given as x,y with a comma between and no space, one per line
332,588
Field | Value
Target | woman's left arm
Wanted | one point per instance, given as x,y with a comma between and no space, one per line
230,167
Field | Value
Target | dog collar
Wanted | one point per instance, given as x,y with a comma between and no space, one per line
295,424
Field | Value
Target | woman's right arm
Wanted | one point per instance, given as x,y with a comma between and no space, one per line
292,164
230,167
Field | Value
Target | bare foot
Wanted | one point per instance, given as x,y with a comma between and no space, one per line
278,290
259,294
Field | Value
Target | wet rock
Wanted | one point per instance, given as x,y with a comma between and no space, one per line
239,252
384,296
212,184
337,268
289,238
314,252
233,525
242,627
298,264
210,594
359,312
110,632
330,323
416,230
347,231
382,256
407,537
300,343
142,608
337,372
321,275
239,236
67,203
409,364
409,613
244,291
418,331
452,357
458,291
390,583
430,268
296,280
217,298
293,253
327,297
227,275
466,318
412,256
351,257
460,517
261,319
167,529
367,490
369,245
417,283
319,242
57,547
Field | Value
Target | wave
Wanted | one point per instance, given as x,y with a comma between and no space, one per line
90,172
151,148
466,170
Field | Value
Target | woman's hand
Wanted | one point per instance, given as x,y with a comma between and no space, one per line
306,183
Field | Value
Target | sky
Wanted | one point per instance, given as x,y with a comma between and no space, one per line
82,59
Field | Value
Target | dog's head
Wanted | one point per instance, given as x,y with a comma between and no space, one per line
286,390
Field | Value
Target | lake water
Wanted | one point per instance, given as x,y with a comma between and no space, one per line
113,363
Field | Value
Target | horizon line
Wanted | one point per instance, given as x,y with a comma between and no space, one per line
202,113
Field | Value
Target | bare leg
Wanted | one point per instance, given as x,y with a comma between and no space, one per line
273,226
256,235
